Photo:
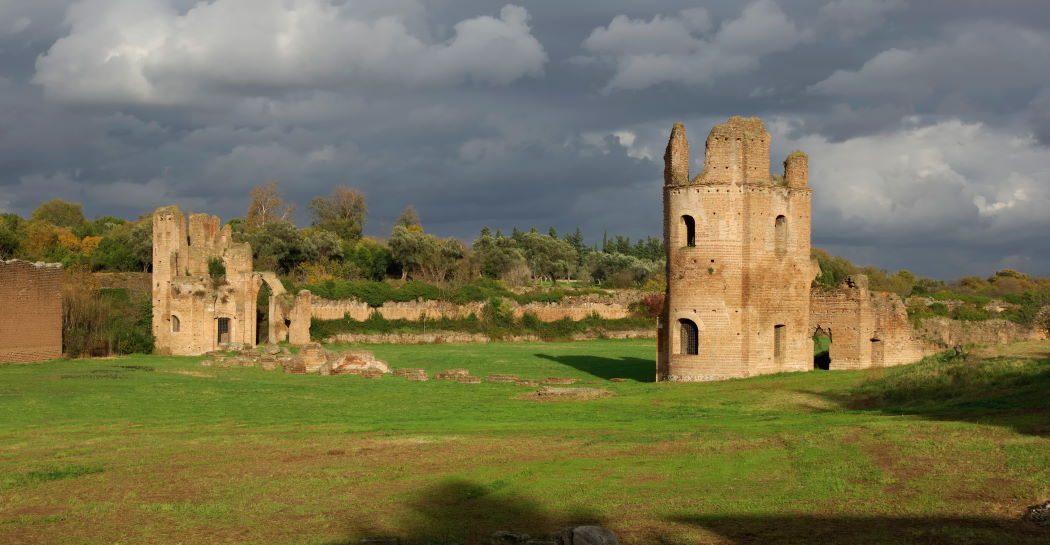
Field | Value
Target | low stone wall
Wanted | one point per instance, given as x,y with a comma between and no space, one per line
947,333
455,337
575,308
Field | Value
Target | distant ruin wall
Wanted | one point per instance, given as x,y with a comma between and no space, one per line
30,312
457,337
573,308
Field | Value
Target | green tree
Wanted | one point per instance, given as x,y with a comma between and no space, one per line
371,258
12,231
276,246
60,213
496,255
548,257
424,255
409,217
343,212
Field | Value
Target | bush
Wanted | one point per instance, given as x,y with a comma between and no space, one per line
100,322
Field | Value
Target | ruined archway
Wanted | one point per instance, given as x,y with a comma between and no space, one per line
262,314
821,348
271,321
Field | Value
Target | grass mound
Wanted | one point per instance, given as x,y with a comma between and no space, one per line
945,379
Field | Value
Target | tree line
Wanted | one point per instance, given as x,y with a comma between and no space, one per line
333,247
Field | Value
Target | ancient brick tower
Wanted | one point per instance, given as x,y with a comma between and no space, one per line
738,263
193,312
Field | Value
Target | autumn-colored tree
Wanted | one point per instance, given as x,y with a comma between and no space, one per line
342,213
267,206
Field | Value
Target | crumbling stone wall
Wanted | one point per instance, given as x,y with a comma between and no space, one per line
866,329
945,332
738,265
574,308
30,311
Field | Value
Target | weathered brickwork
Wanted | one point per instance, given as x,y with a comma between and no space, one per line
30,312
194,313
738,264
739,272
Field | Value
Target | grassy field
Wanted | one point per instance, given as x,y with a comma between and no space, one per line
151,449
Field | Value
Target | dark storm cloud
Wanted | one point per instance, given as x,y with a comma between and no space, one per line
927,122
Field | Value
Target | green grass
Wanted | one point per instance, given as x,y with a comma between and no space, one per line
151,449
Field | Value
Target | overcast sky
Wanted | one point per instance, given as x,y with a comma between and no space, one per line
927,121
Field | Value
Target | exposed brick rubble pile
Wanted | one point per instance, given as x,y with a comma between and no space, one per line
452,374
312,358
413,375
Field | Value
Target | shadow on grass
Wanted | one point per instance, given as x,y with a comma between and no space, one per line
462,511
1007,392
807,530
640,369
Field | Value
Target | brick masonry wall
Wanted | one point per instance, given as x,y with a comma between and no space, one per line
866,329
30,312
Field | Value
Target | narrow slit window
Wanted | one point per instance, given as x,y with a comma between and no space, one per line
690,337
175,324
779,342
781,235
690,230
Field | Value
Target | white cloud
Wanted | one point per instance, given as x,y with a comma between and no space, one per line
950,180
673,49
976,61
147,51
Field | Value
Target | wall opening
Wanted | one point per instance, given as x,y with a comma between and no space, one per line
690,230
877,353
779,342
822,349
780,235
262,315
224,331
175,324
690,337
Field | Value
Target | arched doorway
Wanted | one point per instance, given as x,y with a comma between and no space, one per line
822,348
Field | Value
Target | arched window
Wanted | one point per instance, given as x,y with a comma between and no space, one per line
781,235
690,337
175,324
690,230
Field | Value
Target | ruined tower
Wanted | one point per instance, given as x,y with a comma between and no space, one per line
194,311
738,263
